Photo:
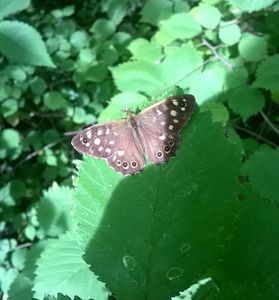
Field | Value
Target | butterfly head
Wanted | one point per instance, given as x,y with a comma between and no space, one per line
128,112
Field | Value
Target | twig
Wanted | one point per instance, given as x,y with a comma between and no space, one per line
216,54
259,137
269,122
35,153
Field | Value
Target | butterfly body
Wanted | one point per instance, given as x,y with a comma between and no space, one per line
152,135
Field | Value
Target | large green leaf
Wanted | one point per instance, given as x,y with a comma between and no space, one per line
181,26
268,74
151,235
263,171
21,288
19,38
8,7
250,6
250,269
138,76
62,270
179,64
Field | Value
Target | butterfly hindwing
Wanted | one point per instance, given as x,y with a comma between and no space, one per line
128,158
161,123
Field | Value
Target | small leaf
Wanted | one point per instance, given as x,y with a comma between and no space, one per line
213,73
132,100
267,76
79,39
102,29
262,169
54,100
30,232
138,76
252,47
9,138
250,6
18,37
229,33
246,101
8,107
18,258
155,11
79,115
142,49
181,26
209,16
96,73
38,86
54,211
179,64
9,7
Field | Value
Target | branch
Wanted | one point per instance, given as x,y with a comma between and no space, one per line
216,54
269,122
259,137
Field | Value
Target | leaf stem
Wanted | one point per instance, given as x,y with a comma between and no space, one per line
269,122
216,54
259,137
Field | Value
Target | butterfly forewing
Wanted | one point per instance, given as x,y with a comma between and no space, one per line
160,125
114,142
99,141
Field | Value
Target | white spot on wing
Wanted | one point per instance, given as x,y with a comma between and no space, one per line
173,113
111,142
89,134
97,141
108,150
100,148
163,123
87,144
114,158
175,121
183,108
175,102
162,137
100,131
158,111
171,127
107,131
120,152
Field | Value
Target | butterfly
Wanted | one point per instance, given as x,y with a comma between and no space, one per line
150,136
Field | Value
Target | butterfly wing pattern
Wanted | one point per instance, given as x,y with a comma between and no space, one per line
153,134
161,123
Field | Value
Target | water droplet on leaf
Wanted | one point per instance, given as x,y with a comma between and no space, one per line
129,262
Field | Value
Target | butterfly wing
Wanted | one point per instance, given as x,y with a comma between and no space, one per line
160,124
113,141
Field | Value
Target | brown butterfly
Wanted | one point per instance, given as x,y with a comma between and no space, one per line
152,135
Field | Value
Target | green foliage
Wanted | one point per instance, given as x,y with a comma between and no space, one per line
15,38
268,74
188,228
262,174
54,211
163,234
74,277
246,101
